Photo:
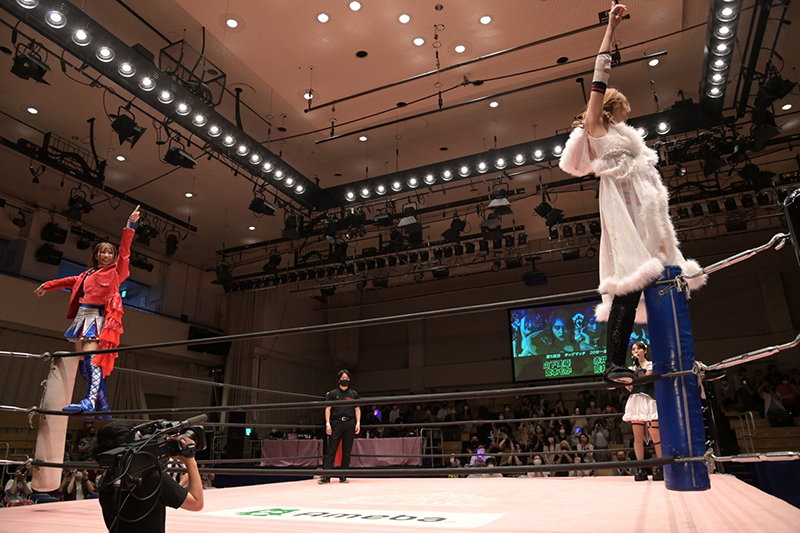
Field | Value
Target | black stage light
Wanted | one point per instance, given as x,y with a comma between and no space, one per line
381,282
441,272
19,220
392,259
713,207
425,256
484,246
763,198
736,225
327,291
26,66
730,204
469,248
223,273
595,229
261,206
127,129
697,210
448,251
290,228
350,268
522,239
144,233
453,234
514,262
509,241
739,154
571,253
680,170
179,157
775,88
580,228
83,243
759,179
683,212
497,244
553,233
551,215
492,234
49,255
172,241
371,264
52,233
458,250
534,278
500,202
566,231
381,262
413,257
747,201
437,253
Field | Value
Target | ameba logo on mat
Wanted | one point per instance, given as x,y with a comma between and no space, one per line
354,516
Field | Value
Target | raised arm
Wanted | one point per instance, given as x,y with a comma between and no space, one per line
593,120
123,261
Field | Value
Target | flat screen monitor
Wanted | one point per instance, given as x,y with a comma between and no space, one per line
560,341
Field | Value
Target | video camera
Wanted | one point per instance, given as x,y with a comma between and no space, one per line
151,445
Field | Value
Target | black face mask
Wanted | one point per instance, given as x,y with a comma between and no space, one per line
344,382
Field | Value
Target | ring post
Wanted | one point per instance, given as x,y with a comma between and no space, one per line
52,432
679,407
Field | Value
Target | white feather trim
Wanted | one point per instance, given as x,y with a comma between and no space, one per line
636,281
575,159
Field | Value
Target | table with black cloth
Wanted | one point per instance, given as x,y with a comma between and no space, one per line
287,450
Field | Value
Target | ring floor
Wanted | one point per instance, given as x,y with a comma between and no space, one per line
399,505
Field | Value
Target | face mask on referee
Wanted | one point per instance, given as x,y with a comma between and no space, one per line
344,382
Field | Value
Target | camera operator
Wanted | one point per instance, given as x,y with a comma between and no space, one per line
138,510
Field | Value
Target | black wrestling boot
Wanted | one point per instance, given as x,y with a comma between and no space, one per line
640,475
658,473
323,480
343,480
620,326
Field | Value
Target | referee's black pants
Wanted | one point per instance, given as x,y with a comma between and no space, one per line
343,431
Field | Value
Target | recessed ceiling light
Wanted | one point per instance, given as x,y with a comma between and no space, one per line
362,138
33,110
322,17
460,49
494,104
404,18
189,194
786,107
653,62
232,23
486,19
252,228
419,41
120,158
355,6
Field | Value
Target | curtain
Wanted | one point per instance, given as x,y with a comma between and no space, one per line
343,343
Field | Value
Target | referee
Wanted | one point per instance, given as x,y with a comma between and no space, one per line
342,424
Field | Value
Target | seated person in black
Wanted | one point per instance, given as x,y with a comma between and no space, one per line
342,424
144,509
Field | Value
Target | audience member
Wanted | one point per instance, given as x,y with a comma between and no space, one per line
537,460
77,485
17,489
563,457
86,444
585,446
774,409
600,435
622,470
788,393
726,394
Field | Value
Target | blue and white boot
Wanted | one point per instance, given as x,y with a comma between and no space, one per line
87,405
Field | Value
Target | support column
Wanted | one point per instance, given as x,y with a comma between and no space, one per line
679,405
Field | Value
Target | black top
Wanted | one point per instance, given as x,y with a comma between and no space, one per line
171,495
337,395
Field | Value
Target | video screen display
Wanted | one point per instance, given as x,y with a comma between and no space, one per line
560,341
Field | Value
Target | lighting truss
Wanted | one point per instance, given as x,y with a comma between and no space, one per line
723,22
73,30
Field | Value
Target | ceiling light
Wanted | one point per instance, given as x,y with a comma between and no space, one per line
228,140
126,70
482,167
299,189
557,150
242,150
716,78
81,37
255,159
165,97
404,18
714,92
33,110
289,181
653,62
308,95
365,193
723,32
26,66
267,167
397,186
413,182
419,41
642,132
146,84
252,228
188,195
786,107
460,49
380,189
362,138
355,6
127,129
232,23
463,171
120,158
278,175
214,131
322,17
430,179
486,19
447,175
726,14
199,120
56,19
183,109
721,49
28,4
494,104
519,159
350,196
105,54
500,163
662,128
262,207
179,157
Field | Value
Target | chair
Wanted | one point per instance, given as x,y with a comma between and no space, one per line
46,498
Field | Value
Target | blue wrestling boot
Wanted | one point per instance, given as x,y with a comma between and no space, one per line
87,405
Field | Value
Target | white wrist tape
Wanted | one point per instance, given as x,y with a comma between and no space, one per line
602,68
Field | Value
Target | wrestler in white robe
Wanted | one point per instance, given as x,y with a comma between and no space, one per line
638,239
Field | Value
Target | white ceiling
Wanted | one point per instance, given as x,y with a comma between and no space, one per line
270,55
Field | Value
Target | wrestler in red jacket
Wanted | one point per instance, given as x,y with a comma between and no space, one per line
96,309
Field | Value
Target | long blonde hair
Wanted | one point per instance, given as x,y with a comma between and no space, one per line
610,99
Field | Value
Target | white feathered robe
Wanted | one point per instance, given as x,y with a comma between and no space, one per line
638,238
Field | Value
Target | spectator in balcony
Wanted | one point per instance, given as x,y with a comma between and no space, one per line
443,412
479,457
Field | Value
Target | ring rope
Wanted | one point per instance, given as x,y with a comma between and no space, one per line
350,324
26,355
378,400
681,281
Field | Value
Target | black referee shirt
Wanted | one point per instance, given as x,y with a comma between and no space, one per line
337,395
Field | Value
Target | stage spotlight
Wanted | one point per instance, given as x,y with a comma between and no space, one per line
381,282
522,239
566,231
730,204
553,233
739,154
127,129
775,88
440,273
179,157
424,256
514,262
591,251
142,263
27,66
747,201
290,228
144,233
580,229
413,257
77,205
173,238
697,210
549,213
595,229
509,241
261,206
763,198
500,202
680,170
483,246
535,276
458,250
760,179
409,222
49,255
469,248
381,262
683,212
570,254
713,207
454,233
51,232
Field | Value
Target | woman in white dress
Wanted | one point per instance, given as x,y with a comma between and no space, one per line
641,411
638,239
